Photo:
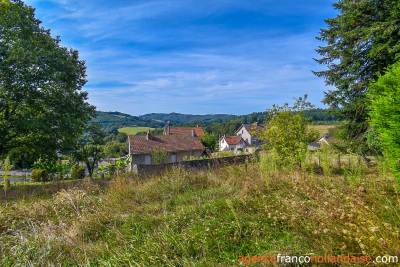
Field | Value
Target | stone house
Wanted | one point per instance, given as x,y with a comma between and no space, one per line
177,147
249,133
232,143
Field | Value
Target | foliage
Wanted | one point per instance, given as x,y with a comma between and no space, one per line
384,102
159,155
119,120
113,149
224,128
288,133
54,169
361,42
78,172
42,106
209,140
178,118
90,149
153,132
39,175
374,141
6,166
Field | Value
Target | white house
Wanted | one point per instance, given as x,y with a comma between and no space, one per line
249,133
232,143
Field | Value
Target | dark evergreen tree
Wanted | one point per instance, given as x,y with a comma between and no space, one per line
362,41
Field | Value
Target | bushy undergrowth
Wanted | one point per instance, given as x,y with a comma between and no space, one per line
208,218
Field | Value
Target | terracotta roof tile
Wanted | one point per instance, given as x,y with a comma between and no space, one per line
172,143
184,130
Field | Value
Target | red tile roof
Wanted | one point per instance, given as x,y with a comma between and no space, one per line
172,143
184,130
232,140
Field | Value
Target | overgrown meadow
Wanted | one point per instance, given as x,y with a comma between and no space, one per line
206,218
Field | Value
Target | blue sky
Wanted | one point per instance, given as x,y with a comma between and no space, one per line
187,56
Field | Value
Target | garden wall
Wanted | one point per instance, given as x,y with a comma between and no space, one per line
192,164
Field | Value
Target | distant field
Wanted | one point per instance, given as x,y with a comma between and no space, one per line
134,130
322,128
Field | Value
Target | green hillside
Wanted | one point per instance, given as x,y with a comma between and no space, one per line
178,118
110,119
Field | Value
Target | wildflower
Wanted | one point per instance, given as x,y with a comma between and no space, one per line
373,229
326,231
345,232
344,247
362,246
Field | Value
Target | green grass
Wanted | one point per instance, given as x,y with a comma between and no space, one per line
205,218
322,129
134,130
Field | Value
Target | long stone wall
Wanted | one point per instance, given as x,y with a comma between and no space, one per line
193,164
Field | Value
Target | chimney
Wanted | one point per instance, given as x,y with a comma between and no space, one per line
193,133
168,130
197,126
148,135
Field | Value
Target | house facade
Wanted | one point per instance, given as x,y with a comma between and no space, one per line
249,133
232,143
176,146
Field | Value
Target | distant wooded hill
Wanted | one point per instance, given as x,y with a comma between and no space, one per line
317,114
112,119
158,120
178,118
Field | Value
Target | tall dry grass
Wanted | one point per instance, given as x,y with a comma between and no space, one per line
208,218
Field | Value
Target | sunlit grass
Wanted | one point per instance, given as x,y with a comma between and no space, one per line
207,218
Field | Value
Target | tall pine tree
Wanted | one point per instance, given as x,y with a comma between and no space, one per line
362,41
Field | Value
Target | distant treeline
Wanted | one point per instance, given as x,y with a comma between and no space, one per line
213,123
111,119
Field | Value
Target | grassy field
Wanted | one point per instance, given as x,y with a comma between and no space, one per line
206,218
134,130
322,129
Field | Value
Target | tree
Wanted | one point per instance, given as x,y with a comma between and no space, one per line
7,166
159,155
209,140
287,133
90,149
384,102
42,106
362,41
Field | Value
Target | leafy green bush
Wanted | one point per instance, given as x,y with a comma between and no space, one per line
78,172
384,97
39,176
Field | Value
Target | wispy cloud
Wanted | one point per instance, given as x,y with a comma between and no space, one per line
220,56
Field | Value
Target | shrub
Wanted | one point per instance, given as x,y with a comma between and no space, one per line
78,172
39,175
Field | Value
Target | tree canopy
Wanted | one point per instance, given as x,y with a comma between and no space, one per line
42,106
362,41
384,103
287,133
